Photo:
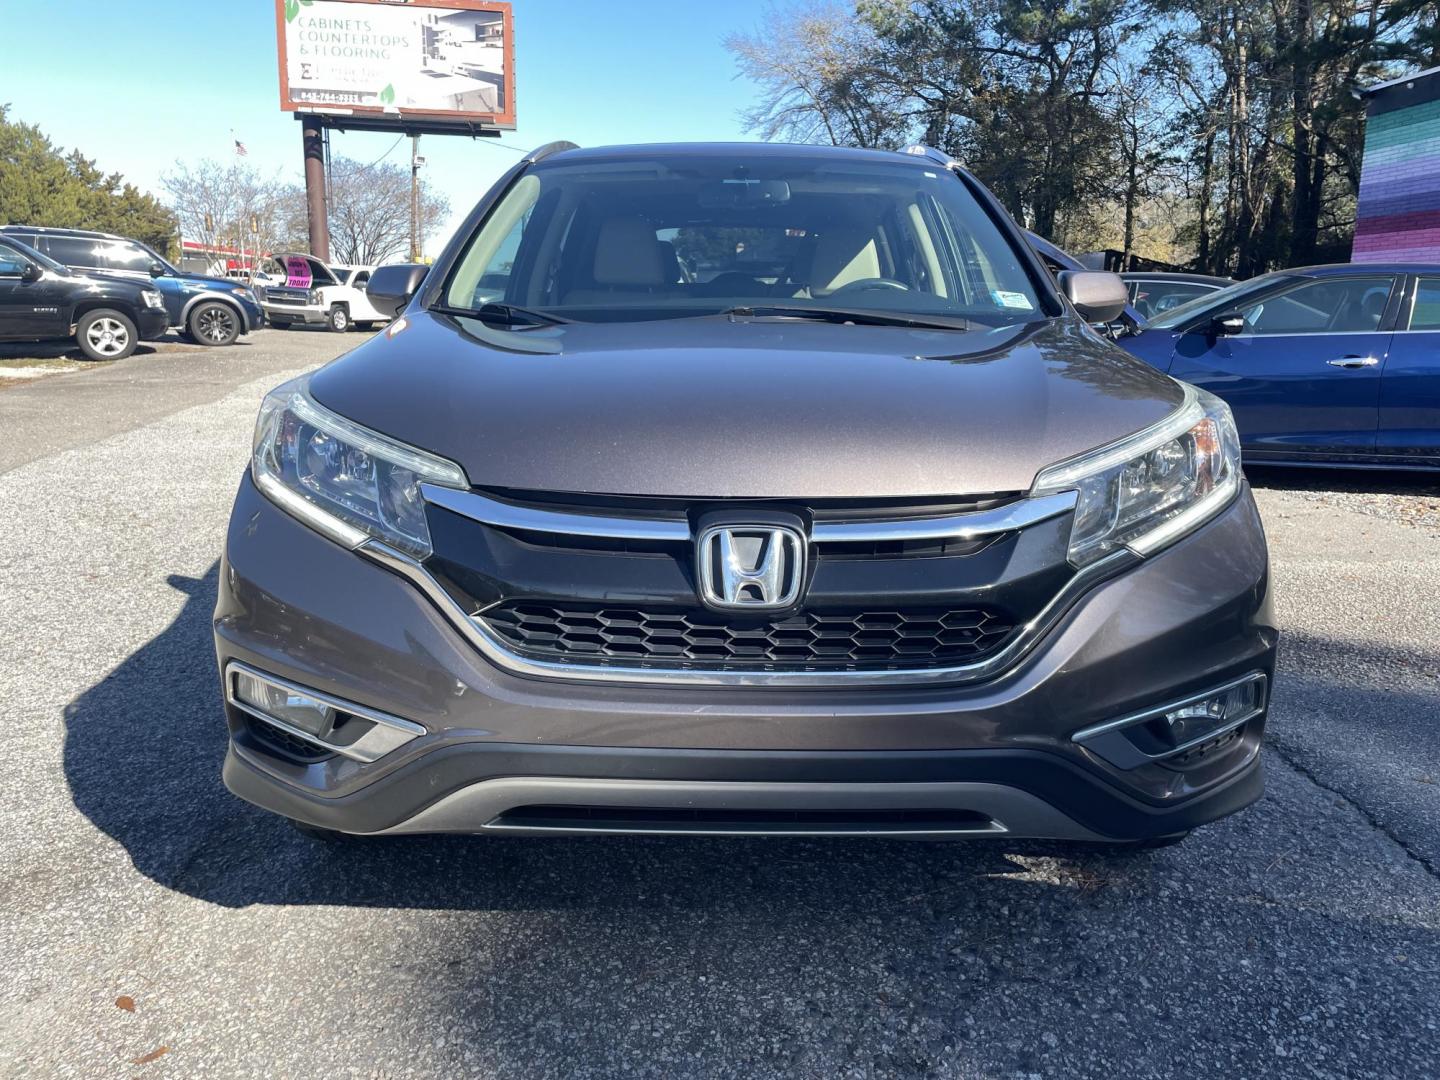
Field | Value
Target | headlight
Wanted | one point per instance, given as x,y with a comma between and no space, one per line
242,291
344,480
313,296
152,298
1150,489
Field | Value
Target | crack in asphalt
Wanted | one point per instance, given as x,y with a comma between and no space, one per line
1277,748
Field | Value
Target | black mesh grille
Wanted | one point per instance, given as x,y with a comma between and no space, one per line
704,639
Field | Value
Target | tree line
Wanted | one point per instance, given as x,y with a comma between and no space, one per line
1222,134
42,184
236,205
227,205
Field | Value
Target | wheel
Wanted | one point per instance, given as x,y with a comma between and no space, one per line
281,324
105,334
339,320
315,832
213,323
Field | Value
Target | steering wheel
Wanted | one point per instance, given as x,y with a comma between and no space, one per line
868,283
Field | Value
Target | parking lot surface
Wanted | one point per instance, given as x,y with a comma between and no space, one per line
152,925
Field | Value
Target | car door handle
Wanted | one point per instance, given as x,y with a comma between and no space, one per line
1354,362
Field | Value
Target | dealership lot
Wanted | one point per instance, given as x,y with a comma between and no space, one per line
1301,937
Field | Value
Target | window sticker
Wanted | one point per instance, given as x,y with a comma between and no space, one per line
1012,300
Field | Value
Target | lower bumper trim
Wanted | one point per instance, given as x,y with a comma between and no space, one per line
535,804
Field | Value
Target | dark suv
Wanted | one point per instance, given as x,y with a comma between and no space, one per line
745,489
207,310
41,300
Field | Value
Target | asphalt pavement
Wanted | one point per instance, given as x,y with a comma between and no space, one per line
152,925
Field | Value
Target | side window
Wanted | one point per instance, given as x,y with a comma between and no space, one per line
129,257
1426,315
73,251
12,263
360,278
1326,306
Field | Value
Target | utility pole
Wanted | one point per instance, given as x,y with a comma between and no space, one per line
415,162
317,210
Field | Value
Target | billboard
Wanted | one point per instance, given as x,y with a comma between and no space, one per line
431,59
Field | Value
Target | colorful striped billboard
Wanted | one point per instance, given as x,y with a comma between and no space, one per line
1398,216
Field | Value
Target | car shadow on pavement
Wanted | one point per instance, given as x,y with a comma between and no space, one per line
1357,481
143,754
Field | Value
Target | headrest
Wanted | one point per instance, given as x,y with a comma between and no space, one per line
627,253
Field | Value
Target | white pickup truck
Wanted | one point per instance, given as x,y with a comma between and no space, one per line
308,291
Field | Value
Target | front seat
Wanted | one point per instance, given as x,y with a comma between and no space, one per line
628,262
842,255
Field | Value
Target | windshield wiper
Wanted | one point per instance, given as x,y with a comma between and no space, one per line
496,311
839,315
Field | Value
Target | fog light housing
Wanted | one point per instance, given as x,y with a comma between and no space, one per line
331,723
1170,731
276,702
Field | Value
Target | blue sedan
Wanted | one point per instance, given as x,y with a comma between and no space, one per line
1326,365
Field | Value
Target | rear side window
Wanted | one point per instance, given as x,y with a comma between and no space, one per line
74,251
1426,315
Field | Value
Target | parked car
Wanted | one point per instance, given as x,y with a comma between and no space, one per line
1325,365
207,310
312,292
888,542
1154,292
42,300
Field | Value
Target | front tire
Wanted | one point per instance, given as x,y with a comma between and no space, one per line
213,323
339,320
106,334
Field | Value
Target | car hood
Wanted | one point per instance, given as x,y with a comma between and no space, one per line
732,408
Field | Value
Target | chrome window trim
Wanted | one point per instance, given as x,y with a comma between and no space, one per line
493,649
390,732
1007,518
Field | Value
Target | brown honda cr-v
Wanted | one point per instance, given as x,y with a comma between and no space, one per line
744,489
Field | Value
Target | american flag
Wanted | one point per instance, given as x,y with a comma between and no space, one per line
240,150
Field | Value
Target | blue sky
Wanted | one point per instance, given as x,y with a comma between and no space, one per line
137,84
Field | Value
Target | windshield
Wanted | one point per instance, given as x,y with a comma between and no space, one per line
1217,301
691,234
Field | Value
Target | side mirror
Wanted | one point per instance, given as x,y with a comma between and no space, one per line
156,270
31,272
1099,296
391,288
1227,325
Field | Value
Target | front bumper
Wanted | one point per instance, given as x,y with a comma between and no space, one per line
152,323
980,759
293,313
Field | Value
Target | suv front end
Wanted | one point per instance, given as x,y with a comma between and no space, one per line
529,609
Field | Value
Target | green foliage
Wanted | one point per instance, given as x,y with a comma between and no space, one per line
42,185
1235,120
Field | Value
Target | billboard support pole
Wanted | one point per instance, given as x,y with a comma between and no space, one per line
317,212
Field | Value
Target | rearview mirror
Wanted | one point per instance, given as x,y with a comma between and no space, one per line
1099,296
1227,325
392,287
723,194
30,273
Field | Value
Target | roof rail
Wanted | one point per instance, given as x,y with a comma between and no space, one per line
939,157
550,148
